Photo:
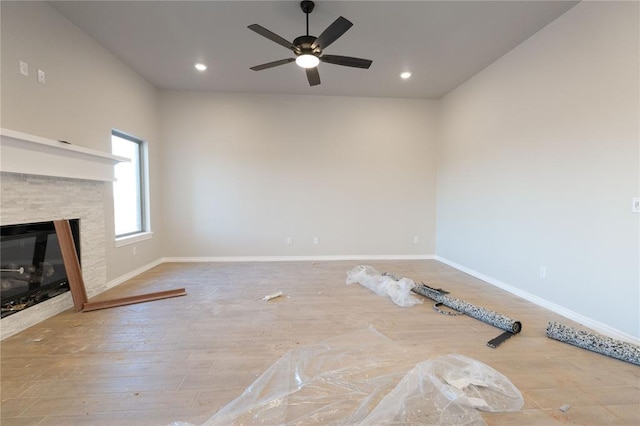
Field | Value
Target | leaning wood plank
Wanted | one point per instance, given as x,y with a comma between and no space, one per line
71,264
94,306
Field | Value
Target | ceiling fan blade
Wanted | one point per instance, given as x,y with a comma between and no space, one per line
346,61
272,36
313,76
273,64
332,33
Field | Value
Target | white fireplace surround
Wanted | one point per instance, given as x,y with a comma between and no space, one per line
42,180
35,155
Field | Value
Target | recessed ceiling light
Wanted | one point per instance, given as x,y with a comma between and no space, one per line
405,75
200,67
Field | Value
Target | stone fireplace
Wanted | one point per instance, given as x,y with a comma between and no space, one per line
69,193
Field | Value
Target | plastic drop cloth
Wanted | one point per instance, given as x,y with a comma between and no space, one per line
398,291
363,378
446,391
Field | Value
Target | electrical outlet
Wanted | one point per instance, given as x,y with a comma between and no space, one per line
41,77
543,272
635,206
316,240
416,240
289,240
134,250
24,68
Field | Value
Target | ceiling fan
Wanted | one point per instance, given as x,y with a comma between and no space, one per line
309,49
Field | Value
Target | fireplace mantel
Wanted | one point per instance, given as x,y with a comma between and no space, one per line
35,155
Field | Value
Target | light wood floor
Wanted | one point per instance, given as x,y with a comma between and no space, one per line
182,359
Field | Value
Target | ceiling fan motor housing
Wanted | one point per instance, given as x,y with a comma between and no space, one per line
303,43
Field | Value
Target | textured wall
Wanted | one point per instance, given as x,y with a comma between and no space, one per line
28,198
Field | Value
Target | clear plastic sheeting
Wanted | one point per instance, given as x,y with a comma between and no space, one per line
361,378
399,291
446,391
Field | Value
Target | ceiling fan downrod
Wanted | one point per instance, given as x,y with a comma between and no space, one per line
304,43
307,7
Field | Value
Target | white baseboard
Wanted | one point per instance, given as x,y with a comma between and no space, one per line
298,258
134,273
560,310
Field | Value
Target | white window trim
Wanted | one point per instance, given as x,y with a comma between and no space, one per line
132,239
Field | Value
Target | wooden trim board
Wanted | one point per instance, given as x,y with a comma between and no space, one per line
130,300
76,283
71,263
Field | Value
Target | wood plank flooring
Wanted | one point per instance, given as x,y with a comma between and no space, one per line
182,359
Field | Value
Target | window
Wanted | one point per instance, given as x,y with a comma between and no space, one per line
129,189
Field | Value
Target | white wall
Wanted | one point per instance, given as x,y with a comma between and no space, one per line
244,172
87,93
539,161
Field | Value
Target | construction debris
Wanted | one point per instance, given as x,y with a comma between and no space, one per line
383,285
272,295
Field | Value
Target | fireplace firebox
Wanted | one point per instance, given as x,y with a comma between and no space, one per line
31,265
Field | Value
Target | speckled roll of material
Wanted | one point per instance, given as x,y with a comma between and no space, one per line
492,318
604,345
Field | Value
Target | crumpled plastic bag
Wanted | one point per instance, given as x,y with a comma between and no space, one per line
383,285
446,391
363,378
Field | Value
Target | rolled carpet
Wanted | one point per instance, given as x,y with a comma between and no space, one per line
490,317
604,345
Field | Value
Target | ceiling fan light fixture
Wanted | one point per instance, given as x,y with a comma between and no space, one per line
307,61
200,67
405,75
309,50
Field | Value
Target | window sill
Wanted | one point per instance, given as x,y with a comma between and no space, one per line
132,239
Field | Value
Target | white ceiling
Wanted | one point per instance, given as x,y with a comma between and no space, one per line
443,43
